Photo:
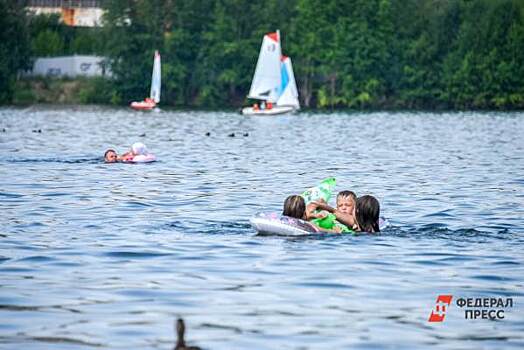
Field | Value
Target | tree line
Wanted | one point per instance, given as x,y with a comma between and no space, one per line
365,54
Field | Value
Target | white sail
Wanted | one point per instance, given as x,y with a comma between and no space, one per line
288,90
155,79
267,79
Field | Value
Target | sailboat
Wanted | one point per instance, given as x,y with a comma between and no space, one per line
274,82
154,96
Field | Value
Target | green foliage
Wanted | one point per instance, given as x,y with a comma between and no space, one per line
14,46
346,53
97,90
485,68
85,42
48,43
356,53
24,95
51,37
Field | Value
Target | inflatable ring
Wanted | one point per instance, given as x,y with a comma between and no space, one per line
276,224
141,158
280,225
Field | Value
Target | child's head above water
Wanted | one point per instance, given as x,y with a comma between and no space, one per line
346,201
295,207
367,213
110,156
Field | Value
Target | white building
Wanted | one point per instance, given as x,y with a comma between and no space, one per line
71,66
79,13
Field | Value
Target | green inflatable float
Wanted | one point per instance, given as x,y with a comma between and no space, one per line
324,191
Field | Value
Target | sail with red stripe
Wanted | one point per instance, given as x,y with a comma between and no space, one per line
267,79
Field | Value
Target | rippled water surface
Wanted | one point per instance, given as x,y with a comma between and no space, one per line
96,255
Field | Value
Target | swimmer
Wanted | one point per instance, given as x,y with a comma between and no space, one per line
346,201
313,213
295,207
110,156
365,215
137,149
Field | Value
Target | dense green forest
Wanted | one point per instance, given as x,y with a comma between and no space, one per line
14,46
368,54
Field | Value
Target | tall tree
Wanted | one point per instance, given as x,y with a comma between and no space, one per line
14,46
133,30
346,53
486,68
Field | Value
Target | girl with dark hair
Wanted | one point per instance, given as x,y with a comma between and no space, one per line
295,207
367,213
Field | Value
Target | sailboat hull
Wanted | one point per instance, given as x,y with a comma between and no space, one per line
273,111
143,105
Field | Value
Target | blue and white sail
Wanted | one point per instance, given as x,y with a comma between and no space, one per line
274,81
288,93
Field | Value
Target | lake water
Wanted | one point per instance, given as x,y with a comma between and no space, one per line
96,255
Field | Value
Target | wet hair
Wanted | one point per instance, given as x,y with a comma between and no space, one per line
367,212
349,194
295,207
107,152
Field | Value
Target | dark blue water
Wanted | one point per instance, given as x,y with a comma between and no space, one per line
108,256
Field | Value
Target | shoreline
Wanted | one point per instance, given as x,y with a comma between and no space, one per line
99,91
175,109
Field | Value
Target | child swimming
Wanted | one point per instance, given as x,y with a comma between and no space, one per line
295,207
137,149
110,156
365,215
346,201
137,153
